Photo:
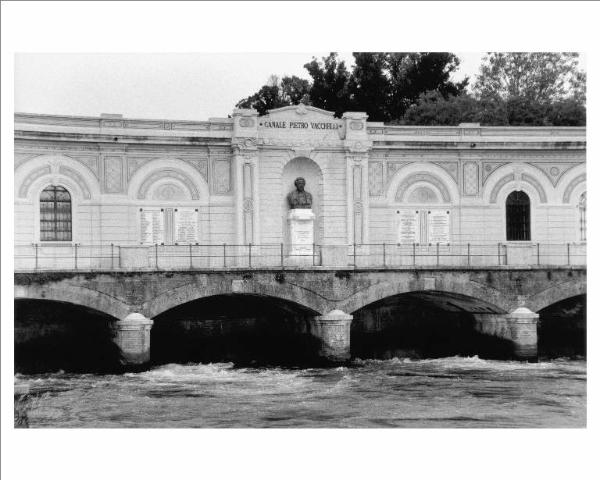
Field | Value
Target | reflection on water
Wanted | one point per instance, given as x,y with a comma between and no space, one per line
446,392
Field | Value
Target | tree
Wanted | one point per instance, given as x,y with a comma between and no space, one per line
433,109
330,84
277,93
539,77
414,74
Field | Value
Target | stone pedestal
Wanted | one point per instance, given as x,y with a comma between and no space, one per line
523,330
132,336
519,327
301,227
333,334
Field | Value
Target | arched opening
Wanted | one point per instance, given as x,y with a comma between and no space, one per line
240,328
518,217
428,324
55,214
51,336
562,328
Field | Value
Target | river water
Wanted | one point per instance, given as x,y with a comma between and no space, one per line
446,392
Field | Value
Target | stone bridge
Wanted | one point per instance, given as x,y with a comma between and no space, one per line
504,300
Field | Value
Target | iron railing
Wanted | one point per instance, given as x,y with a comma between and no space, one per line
73,256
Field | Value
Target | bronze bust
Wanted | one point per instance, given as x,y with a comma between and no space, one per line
299,198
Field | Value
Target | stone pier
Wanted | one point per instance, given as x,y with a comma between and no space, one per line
132,336
519,327
333,333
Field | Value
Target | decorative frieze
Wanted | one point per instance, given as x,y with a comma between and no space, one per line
554,170
451,168
489,168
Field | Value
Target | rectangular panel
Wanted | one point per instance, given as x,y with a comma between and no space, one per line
152,226
222,176
113,174
438,226
186,225
357,180
247,180
375,178
408,226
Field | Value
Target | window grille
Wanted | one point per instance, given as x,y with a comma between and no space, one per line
55,214
518,217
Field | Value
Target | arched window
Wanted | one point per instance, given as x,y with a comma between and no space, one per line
582,220
518,217
55,214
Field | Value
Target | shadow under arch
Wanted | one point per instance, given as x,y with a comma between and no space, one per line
474,297
562,328
53,335
424,324
247,329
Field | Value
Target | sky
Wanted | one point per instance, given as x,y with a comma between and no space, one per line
177,86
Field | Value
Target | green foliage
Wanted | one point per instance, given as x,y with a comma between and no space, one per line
330,84
416,88
539,77
278,93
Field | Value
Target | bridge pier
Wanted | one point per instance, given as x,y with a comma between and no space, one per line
519,327
332,331
132,336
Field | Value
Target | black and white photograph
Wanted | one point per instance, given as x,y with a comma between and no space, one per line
303,240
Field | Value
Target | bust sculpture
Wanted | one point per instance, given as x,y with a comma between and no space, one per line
299,198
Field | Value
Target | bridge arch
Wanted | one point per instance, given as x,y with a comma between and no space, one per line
193,291
76,296
557,293
471,295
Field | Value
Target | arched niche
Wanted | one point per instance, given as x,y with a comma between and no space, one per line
186,182
436,180
49,169
311,172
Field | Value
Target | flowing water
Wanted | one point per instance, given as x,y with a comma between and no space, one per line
446,392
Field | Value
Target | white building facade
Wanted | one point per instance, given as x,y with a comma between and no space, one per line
200,192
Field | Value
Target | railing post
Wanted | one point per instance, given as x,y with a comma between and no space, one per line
191,261
499,261
354,254
224,255
568,253
383,254
468,254
156,255
414,254
75,250
281,254
538,253
36,256
119,248
437,254
313,254
112,256
250,255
